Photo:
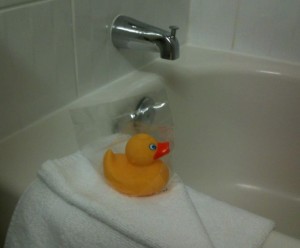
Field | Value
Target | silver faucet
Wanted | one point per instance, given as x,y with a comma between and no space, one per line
130,33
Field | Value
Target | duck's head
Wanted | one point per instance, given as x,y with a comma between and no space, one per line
142,149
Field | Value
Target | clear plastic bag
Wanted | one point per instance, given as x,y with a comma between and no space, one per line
101,127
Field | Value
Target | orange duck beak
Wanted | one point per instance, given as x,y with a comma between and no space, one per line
162,149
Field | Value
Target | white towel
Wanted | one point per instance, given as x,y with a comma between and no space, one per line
70,205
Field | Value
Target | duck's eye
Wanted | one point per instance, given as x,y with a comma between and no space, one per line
152,147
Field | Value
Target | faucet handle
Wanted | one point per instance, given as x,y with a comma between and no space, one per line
173,30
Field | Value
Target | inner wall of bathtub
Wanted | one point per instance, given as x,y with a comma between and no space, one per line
237,138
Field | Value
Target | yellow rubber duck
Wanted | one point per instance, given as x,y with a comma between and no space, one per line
138,172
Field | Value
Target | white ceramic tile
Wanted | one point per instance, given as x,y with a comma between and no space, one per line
38,92
267,27
18,46
212,23
41,73
91,35
8,105
64,51
294,48
286,39
48,88
259,27
253,28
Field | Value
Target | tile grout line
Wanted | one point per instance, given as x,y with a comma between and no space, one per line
74,48
189,28
235,24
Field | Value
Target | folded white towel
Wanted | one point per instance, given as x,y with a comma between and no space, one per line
70,205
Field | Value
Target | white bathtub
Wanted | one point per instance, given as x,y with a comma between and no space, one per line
237,134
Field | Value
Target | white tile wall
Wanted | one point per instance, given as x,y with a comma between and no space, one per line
37,68
212,23
53,51
9,120
268,28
